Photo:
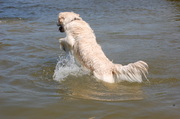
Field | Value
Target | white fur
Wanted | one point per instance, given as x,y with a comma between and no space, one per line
81,42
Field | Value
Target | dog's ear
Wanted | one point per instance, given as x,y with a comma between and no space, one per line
77,17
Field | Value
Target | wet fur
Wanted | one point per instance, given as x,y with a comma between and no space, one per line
81,42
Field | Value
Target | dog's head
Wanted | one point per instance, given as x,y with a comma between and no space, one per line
65,18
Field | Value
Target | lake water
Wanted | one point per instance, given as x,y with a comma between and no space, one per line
127,30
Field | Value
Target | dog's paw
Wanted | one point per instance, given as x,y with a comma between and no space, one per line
64,45
61,40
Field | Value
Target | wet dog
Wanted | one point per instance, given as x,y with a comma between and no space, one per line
80,40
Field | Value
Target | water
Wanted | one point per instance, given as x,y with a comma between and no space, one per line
127,30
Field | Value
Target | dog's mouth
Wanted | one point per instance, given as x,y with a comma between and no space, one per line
61,29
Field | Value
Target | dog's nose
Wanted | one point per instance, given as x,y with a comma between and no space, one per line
61,29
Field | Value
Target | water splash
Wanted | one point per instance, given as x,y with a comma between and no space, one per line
65,66
85,86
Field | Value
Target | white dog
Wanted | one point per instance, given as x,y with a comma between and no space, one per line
81,42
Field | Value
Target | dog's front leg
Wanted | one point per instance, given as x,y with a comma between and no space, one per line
64,45
67,44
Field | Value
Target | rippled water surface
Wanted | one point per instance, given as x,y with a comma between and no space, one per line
34,85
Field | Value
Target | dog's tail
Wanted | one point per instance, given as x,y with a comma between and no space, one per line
133,72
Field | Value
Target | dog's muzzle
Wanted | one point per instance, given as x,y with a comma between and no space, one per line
61,28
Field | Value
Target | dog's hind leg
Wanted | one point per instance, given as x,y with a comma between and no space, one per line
104,77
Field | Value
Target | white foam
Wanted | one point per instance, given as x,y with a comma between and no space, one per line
65,66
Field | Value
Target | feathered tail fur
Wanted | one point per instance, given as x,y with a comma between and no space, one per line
133,72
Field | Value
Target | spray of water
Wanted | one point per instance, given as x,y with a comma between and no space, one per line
65,66
88,88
